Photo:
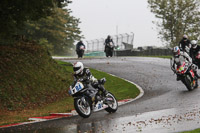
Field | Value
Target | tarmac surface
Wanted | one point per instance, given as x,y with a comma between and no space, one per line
166,105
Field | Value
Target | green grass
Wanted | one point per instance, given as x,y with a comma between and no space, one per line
29,77
193,131
120,88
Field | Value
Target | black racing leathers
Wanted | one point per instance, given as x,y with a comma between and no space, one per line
78,45
107,41
194,52
86,78
183,43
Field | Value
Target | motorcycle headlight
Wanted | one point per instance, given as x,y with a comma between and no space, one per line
69,90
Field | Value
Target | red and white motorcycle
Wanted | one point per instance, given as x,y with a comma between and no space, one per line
186,75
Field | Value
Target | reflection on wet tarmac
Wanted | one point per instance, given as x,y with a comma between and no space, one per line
168,120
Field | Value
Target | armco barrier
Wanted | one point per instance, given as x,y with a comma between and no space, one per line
97,53
149,52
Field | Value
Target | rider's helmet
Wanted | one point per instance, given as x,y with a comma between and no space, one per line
185,37
78,68
109,37
194,44
176,51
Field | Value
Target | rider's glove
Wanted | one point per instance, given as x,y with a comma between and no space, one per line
81,80
194,67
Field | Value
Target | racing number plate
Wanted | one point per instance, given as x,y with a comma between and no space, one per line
79,86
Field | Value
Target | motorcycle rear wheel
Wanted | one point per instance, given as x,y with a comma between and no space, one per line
82,108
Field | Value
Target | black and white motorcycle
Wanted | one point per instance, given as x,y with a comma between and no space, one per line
109,49
81,51
88,99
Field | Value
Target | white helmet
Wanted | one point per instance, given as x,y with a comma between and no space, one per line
78,67
194,43
176,51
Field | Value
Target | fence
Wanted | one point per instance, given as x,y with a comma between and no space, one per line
119,40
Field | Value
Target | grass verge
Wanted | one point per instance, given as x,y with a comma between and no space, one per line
193,131
120,88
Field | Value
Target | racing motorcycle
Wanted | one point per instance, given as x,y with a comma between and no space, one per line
186,75
81,51
88,99
109,49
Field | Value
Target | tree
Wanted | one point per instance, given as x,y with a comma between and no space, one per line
14,13
58,31
175,18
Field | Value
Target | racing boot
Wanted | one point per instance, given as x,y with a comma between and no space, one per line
104,91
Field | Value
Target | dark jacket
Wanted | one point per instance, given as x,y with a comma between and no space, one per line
194,52
86,77
183,44
108,40
78,45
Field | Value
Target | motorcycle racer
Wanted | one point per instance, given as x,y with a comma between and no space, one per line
194,50
178,57
84,75
184,44
107,41
79,45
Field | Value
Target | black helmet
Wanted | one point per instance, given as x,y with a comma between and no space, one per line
185,37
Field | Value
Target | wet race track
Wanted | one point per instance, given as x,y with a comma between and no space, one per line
166,105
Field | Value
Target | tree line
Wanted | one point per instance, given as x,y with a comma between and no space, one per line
176,18
49,22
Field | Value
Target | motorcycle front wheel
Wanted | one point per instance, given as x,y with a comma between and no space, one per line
111,102
188,83
83,108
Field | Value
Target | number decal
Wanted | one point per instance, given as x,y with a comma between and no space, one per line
100,105
79,86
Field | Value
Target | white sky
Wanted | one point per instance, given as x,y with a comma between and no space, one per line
100,18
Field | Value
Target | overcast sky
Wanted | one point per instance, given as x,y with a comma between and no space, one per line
100,18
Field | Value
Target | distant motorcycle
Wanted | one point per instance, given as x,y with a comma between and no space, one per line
81,51
186,75
88,99
109,49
